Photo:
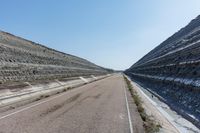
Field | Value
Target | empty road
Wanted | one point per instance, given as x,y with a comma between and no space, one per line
98,107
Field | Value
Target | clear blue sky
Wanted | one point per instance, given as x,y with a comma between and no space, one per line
110,33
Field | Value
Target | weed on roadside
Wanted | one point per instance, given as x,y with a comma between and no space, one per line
149,124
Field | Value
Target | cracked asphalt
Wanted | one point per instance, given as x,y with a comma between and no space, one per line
98,107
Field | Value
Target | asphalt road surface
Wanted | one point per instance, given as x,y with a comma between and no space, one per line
98,107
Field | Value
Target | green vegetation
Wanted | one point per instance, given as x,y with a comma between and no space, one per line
149,124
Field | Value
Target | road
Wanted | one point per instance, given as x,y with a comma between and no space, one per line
98,107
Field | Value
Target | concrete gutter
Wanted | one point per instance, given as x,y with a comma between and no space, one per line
21,98
180,128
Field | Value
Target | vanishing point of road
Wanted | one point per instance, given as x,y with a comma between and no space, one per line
104,106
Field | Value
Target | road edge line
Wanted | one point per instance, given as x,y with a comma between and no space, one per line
128,111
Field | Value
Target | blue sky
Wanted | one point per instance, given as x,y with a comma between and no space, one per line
110,33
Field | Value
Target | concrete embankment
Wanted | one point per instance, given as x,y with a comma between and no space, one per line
9,99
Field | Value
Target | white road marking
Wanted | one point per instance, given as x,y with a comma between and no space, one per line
34,105
129,116
93,77
28,84
121,116
85,80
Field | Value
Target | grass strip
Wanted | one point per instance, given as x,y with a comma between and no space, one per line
149,124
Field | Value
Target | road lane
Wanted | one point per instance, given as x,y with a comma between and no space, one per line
99,107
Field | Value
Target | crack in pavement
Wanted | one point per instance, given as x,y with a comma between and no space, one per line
79,103
56,107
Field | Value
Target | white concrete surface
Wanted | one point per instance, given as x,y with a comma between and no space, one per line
35,92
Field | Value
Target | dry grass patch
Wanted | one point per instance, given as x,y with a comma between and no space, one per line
149,124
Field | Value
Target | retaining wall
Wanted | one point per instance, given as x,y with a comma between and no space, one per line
172,70
22,60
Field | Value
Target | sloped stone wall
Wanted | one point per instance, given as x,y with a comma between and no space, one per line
172,69
22,60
